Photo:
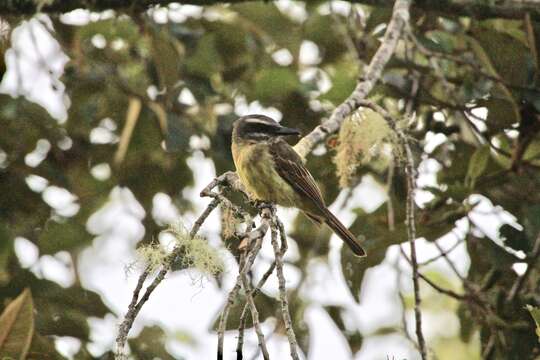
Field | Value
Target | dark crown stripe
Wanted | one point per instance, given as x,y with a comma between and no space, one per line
260,128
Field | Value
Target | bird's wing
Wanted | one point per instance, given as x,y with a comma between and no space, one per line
290,167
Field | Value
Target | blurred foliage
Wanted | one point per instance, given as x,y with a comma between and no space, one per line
189,75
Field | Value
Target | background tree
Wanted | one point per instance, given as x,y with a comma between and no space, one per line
151,90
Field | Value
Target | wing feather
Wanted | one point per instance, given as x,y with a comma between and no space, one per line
290,167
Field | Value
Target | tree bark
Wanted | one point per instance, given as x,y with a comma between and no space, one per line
480,9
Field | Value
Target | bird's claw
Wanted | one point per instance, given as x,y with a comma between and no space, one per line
261,205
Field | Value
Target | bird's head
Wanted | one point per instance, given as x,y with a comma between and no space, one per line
259,128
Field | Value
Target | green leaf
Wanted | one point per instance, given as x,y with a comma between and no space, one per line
321,30
61,311
501,106
206,60
441,41
234,44
65,235
274,84
377,16
312,239
531,223
532,154
268,21
477,165
354,268
486,255
17,327
343,77
43,348
150,344
514,238
167,53
502,113
514,63
467,325
535,313
179,130
6,251
354,338
458,168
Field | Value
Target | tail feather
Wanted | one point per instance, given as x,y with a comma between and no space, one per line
344,233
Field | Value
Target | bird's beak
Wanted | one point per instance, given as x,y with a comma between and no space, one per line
287,131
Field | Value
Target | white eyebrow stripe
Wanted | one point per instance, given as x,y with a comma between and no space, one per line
259,121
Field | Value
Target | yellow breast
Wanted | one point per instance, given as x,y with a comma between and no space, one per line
255,168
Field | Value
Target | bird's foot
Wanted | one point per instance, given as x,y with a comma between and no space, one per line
261,205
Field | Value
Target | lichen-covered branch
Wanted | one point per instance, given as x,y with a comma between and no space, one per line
400,17
399,20
136,305
254,243
410,221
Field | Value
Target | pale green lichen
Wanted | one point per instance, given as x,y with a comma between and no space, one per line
152,255
196,253
229,222
361,139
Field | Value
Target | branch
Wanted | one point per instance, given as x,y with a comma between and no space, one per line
402,303
242,324
410,171
509,9
436,287
251,302
136,305
400,17
245,267
282,289
530,265
442,253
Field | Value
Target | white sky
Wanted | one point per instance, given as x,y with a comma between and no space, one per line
179,305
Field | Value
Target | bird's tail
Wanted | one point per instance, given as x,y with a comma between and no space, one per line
343,233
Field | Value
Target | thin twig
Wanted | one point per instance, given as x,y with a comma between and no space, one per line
530,265
251,302
283,290
411,234
402,302
244,268
136,305
436,287
486,354
225,312
442,253
400,17
242,324
450,263
130,315
410,172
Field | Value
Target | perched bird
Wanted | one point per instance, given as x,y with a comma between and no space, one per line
272,171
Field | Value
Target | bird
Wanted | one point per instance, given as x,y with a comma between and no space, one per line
272,171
